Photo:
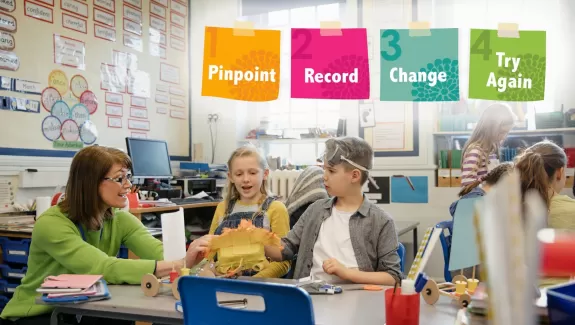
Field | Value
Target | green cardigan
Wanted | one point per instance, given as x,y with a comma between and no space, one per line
58,248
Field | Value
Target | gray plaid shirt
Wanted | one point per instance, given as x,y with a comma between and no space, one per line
373,238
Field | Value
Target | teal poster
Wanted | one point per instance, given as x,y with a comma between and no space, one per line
419,68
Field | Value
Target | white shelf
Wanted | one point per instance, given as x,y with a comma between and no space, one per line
513,132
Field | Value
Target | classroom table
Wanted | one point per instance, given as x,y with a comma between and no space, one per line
350,307
404,227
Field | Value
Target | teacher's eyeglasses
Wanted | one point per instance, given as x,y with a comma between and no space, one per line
121,180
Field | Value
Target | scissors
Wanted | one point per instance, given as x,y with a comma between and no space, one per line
367,287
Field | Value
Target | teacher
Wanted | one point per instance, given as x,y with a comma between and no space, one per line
83,234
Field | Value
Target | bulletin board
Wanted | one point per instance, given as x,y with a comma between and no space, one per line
76,73
392,130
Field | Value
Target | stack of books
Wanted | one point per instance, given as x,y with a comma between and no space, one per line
73,289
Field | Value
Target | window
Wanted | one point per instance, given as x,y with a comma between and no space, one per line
296,117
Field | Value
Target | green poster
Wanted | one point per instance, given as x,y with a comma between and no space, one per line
62,144
419,68
507,69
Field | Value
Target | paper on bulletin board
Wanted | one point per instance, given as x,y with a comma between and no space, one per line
464,251
412,189
241,65
419,68
113,78
69,52
505,68
139,83
393,130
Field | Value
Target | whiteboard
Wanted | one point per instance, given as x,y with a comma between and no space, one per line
116,69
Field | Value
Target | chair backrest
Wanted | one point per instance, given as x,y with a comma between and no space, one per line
445,239
401,252
284,304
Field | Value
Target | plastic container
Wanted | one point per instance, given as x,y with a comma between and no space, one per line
123,253
561,304
9,272
401,309
552,120
8,287
15,251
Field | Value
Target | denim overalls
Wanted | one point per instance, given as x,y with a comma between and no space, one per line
232,220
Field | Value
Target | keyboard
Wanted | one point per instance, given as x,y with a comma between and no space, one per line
190,200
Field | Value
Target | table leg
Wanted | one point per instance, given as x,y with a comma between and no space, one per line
54,317
415,243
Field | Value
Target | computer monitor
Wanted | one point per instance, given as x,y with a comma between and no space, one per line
150,158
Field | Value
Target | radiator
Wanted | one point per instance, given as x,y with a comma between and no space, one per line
281,182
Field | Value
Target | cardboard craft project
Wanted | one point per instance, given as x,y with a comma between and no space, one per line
240,249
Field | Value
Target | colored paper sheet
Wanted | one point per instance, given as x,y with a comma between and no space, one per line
507,69
464,250
241,66
381,195
413,189
329,66
419,68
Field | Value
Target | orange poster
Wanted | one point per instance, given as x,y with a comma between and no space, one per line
241,64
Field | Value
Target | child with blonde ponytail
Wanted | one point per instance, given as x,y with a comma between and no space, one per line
247,197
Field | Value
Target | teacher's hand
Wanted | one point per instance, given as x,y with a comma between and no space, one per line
197,249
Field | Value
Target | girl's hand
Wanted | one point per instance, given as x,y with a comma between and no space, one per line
197,249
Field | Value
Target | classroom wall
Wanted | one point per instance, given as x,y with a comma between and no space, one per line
555,16
35,49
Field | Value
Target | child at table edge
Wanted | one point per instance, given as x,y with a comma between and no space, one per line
345,238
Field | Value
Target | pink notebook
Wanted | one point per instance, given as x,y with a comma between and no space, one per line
73,281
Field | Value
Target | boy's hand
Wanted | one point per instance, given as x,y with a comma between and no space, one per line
333,266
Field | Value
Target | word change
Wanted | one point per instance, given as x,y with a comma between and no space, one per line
419,68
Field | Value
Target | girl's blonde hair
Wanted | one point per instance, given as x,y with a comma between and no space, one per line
230,191
486,134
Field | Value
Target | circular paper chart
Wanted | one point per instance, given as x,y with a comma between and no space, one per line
58,79
80,113
70,130
89,100
51,127
50,95
60,110
88,132
78,85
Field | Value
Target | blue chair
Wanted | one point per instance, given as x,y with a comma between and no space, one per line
278,298
445,239
401,252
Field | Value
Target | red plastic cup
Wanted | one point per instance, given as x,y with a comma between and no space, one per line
401,309
133,200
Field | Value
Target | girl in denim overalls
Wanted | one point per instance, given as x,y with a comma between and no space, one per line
247,197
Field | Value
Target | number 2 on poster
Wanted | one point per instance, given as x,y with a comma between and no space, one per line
213,40
299,55
393,43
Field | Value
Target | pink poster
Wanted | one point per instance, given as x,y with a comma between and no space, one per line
329,66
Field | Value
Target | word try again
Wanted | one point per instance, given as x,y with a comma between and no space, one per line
503,83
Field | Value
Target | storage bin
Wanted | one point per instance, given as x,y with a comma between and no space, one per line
7,287
3,302
561,304
552,120
15,251
123,253
9,272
